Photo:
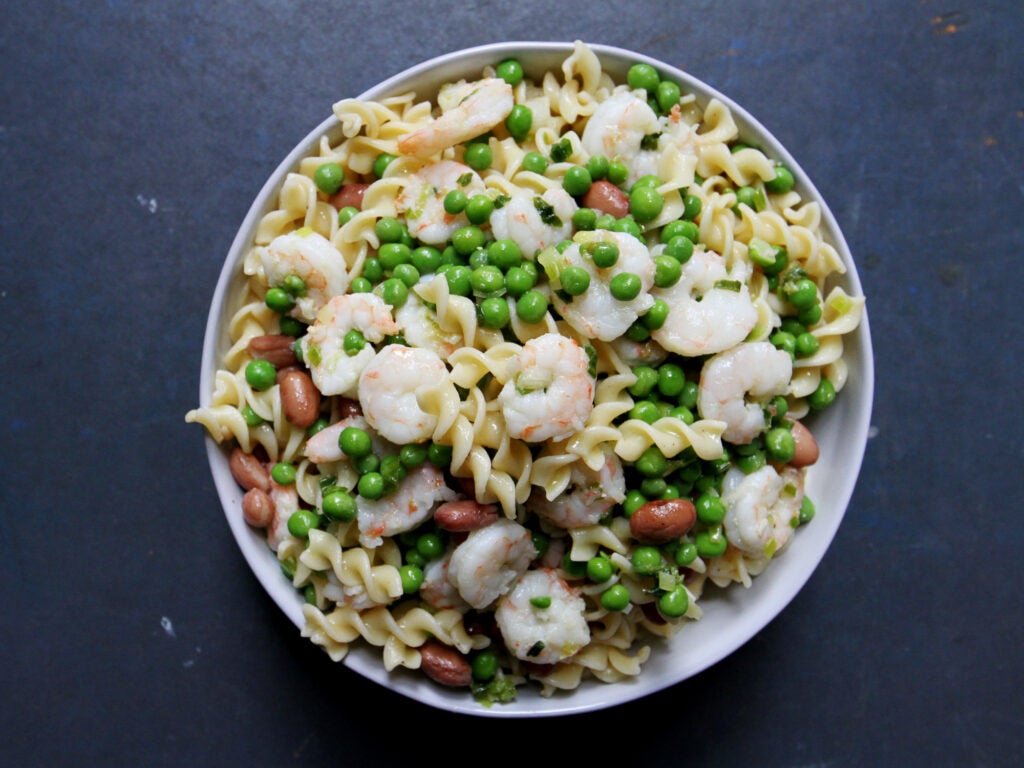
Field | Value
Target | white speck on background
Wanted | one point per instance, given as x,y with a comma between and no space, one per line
872,431
168,627
149,203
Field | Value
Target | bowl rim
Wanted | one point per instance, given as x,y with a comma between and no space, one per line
467,62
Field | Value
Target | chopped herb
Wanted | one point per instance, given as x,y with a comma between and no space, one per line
541,601
728,285
535,649
561,150
547,212
501,201
592,359
650,141
464,179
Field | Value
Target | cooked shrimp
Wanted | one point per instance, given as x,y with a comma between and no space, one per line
596,313
421,329
534,221
753,368
762,509
334,370
617,130
421,200
542,618
323,446
387,392
286,501
312,257
467,110
422,489
588,498
437,589
487,563
550,392
710,309
634,353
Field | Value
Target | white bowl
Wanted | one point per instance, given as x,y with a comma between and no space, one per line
731,617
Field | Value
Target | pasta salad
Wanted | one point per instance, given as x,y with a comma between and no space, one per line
515,373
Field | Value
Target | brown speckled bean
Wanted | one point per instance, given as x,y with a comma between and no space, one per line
248,471
275,348
257,508
806,450
445,665
349,194
465,515
661,520
605,197
300,399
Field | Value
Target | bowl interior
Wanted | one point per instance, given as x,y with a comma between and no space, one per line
732,616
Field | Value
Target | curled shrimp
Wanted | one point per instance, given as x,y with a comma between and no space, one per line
467,110
596,313
387,392
617,130
756,369
710,309
421,329
590,495
422,489
550,391
534,221
762,509
334,370
487,563
421,200
312,257
542,618
437,589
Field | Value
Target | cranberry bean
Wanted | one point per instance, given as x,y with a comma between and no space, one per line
445,665
257,508
465,515
605,197
275,348
349,195
300,399
661,520
248,471
806,450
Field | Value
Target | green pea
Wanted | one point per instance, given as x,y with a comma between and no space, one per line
468,239
426,258
353,343
373,270
561,150
455,202
392,470
479,208
479,258
645,203
807,510
598,166
430,545
371,485
577,181
388,229
279,300
604,254
599,569
618,172
646,381
339,505
655,317
810,316
412,455
751,462
360,285
393,254
519,122
380,164
674,604
784,341
317,426
534,162
671,380
680,228
683,413
346,214
605,221
688,397
494,313
412,578
458,280
505,254
574,280
291,326
667,94
260,375
710,509
615,598
394,292
646,560
484,665
478,156
780,445
486,280
752,197
801,293
691,207
355,442
329,177
541,542
806,344
518,281
685,553
250,416
823,396
628,225
782,182
667,271
643,76
645,411
294,285
413,557
792,325
283,473
301,522
510,70
574,569
625,286
439,455
653,487
532,306
711,542
584,219
679,248
652,462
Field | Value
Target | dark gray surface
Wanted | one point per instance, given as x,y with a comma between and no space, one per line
133,137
